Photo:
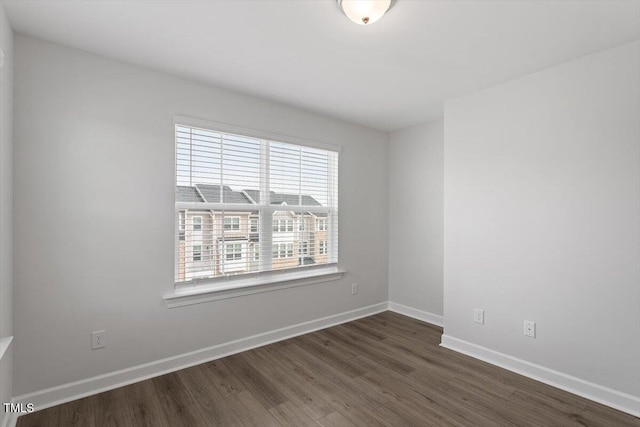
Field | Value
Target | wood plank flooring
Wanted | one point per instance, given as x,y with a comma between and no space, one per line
383,370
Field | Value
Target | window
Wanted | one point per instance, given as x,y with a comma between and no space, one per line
303,249
181,227
322,248
197,223
231,223
321,224
233,188
255,251
282,250
283,225
197,253
233,251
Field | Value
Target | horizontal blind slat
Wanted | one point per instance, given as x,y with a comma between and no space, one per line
225,169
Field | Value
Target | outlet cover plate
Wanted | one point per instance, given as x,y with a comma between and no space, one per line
530,328
478,315
98,339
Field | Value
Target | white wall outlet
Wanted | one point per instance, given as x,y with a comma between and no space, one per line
354,289
98,339
478,315
530,328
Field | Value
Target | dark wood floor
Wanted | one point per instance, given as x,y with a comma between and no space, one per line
384,370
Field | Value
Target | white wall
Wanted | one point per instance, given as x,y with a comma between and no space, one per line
6,206
94,159
542,197
416,217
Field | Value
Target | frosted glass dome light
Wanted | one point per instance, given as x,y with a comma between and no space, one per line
364,12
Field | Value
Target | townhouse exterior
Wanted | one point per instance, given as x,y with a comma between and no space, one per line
216,243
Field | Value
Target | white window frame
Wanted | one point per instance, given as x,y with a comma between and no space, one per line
199,224
231,224
321,224
194,251
267,279
181,220
255,252
233,252
282,250
290,251
303,248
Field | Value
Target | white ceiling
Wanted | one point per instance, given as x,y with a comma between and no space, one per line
392,74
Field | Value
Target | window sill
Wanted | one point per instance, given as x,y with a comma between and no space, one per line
4,345
235,288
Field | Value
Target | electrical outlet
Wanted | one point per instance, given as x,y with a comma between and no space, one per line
354,289
478,315
530,328
98,339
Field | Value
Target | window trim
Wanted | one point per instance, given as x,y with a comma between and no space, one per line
224,223
258,283
253,133
208,289
199,224
194,251
252,221
232,252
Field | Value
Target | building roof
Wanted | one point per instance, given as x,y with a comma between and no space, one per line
211,193
187,194
279,198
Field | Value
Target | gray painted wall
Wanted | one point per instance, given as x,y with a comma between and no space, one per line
6,206
542,197
416,216
94,209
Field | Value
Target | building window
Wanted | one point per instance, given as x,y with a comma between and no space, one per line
303,249
322,248
197,253
282,250
181,226
283,225
321,224
233,251
231,223
256,253
232,188
197,223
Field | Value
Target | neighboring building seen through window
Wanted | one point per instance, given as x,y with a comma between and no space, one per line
228,205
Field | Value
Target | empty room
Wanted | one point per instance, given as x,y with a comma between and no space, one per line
319,213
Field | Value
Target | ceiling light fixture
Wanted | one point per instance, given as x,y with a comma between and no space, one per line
364,12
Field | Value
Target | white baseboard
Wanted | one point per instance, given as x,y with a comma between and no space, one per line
43,399
425,316
53,396
609,397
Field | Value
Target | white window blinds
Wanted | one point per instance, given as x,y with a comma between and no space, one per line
246,205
